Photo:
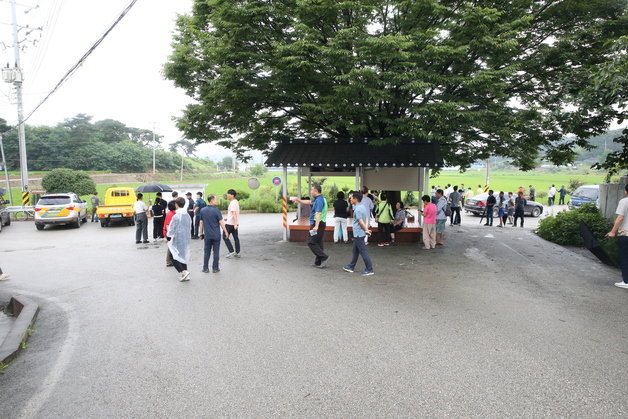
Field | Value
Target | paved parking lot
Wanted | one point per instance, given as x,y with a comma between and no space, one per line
496,323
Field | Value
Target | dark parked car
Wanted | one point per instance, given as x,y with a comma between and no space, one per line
477,206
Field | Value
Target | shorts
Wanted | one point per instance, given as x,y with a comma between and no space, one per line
440,226
501,212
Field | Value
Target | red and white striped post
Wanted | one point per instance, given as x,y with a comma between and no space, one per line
284,203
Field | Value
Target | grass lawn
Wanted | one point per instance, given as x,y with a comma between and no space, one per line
506,181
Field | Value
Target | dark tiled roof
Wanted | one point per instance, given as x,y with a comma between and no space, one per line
334,153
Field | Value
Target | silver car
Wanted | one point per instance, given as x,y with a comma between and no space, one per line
60,208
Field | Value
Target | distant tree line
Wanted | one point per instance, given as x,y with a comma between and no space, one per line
80,144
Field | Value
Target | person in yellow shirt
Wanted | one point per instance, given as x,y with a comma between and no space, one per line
385,217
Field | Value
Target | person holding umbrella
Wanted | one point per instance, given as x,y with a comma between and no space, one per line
620,230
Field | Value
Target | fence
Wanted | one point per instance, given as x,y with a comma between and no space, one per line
610,194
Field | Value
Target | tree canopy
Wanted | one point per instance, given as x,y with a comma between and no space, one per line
483,77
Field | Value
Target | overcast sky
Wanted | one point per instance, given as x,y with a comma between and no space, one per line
122,79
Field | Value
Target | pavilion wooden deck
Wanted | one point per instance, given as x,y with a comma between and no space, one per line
299,230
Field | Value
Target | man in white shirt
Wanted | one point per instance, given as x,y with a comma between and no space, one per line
141,219
620,230
551,195
232,224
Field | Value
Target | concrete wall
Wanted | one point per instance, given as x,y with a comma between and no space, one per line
610,194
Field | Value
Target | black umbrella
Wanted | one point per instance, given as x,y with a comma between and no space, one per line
153,187
591,243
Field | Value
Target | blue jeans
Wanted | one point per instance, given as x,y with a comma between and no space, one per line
489,215
359,249
211,244
623,256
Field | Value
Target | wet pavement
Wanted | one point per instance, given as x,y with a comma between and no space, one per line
496,323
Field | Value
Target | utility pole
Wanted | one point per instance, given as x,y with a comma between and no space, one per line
487,179
20,107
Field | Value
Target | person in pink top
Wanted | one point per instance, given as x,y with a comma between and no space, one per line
429,223
232,224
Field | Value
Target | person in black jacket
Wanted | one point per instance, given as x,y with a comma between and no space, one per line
490,203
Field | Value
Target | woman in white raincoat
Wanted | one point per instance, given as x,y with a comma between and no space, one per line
179,239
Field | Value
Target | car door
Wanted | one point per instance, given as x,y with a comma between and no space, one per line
81,205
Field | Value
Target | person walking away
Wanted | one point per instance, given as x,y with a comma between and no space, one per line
561,195
368,204
501,202
429,223
170,212
95,204
441,217
341,214
211,225
318,222
199,204
532,193
158,219
520,205
141,219
490,204
233,224
360,229
400,220
620,230
511,207
179,239
190,210
551,196
454,201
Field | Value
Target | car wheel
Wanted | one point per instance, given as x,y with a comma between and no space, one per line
103,223
39,226
6,222
536,212
495,212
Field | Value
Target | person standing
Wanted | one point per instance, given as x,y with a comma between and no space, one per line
141,219
341,213
190,210
520,205
179,239
551,196
511,207
454,200
170,212
561,195
620,230
490,205
199,204
429,223
502,208
95,204
158,219
360,230
480,190
468,194
211,225
318,222
441,217
384,219
369,205
532,193
233,224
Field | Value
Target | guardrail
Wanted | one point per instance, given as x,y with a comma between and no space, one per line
21,213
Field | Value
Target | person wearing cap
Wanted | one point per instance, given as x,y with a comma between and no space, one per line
190,208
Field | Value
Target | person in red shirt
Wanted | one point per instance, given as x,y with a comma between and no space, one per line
172,208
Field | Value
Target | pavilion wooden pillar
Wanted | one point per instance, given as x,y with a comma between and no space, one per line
284,203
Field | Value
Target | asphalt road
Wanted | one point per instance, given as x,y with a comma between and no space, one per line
496,323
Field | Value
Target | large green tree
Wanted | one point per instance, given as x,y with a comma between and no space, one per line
481,77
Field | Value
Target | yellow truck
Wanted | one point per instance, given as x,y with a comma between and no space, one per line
118,207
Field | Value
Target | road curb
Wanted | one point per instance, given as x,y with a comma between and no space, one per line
25,311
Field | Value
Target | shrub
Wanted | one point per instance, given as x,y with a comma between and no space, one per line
268,206
564,227
574,184
331,194
410,199
67,180
258,170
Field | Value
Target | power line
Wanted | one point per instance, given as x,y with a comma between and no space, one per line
82,59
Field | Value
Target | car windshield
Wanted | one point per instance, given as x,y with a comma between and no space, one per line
54,200
590,193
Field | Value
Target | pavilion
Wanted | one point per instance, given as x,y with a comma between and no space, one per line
404,166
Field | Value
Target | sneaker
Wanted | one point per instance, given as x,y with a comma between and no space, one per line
347,269
215,271
4,277
366,272
185,276
230,255
237,256
387,244
138,242
380,244
169,264
145,241
621,285
205,271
